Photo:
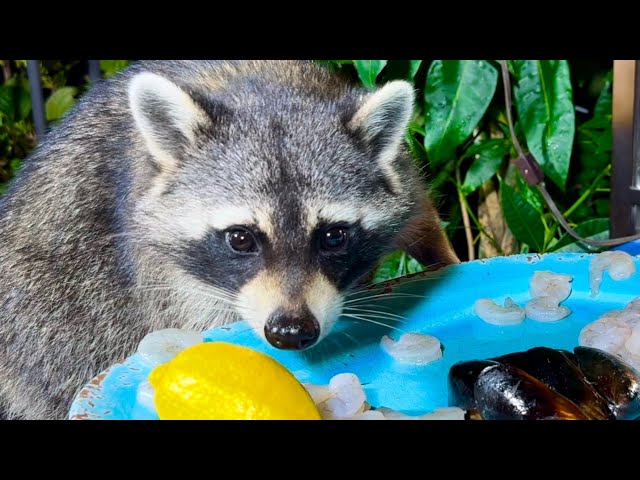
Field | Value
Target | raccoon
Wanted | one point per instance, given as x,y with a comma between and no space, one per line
190,194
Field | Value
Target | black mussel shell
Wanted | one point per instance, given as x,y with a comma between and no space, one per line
614,379
557,370
462,377
503,392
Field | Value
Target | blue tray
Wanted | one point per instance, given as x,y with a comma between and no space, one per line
441,305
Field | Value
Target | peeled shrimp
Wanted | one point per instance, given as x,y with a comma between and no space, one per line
608,333
549,284
491,312
368,415
634,305
633,342
619,264
413,348
546,309
145,396
162,345
342,398
444,413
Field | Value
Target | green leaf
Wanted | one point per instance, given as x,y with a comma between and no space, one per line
389,267
15,101
530,194
544,101
14,165
603,106
396,264
368,71
488,158
6,101
23,102
594,229
59,102
414,66
111,67
523,220
457,95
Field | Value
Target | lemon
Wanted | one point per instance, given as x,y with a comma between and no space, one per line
223,381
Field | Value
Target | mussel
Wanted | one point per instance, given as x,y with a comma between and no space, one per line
546,383
503,392
614,379
557,370
462,378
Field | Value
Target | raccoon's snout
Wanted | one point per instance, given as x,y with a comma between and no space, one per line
288,331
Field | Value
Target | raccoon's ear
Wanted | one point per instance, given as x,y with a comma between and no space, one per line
383,119
166,116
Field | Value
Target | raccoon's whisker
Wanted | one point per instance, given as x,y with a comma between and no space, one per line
211,293
369,315
349,337
374,305
362,319
172,292
382,285
385,295
410,280
355,342
390,315
351,294
214,294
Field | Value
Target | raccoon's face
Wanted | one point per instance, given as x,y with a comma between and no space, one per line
282,201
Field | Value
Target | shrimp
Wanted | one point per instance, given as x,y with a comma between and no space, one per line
619,264
413,348
634,305
444,413
491,312
549,284
608,333
343,398
633,342
162,345
546,309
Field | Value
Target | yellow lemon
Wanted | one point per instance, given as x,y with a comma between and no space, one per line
222,381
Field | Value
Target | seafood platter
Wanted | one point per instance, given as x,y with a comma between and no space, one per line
531,337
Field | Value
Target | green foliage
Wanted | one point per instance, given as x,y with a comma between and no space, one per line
487,158
111,67
62,82
544,102
522,217
59,102
460,138
397,264
457,95
368,71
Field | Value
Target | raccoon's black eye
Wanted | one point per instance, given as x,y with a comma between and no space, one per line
242,241
334,239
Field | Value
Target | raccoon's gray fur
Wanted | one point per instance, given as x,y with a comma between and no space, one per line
119,222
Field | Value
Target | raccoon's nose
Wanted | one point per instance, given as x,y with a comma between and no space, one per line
291,332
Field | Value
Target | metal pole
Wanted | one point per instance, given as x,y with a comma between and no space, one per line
94,70
37,99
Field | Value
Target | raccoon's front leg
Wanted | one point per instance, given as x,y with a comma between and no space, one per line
424,239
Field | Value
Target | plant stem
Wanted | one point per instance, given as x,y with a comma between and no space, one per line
6,70
443,175
588,191
465,219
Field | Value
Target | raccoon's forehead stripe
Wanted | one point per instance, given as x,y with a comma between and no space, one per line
225,217
369,216
194,220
